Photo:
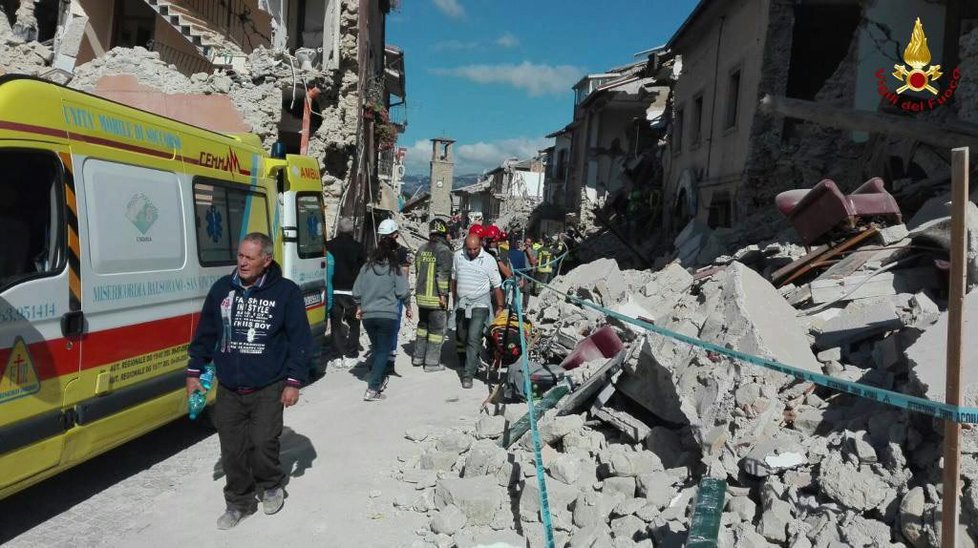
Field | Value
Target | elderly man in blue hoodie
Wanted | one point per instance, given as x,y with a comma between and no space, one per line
253,326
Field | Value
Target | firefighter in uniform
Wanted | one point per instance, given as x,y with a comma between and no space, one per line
545,267
433,268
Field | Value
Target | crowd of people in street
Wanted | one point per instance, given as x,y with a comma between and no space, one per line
254,329
462,282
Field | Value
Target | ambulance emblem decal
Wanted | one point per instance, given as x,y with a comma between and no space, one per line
19,377
214,229
142,213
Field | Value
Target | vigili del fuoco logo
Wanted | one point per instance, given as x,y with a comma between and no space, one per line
919,86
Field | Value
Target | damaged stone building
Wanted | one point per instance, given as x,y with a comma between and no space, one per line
315,75
727,160
617,119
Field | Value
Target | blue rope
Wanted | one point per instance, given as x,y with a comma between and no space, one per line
548,527
967,415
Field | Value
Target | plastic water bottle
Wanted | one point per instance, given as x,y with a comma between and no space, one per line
198,400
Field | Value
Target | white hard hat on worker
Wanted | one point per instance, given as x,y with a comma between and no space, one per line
387,227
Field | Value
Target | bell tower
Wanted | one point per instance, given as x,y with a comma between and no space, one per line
442,173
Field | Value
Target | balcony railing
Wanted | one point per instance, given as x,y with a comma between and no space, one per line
385,163
398,115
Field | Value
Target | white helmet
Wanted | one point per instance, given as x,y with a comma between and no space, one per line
387,227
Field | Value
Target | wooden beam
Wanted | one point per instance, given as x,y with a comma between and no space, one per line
955,309
939,135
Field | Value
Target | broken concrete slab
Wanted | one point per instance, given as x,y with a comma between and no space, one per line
448,520
593,508
852,486
775,520
560,497
478,498
773,456
619,485
633,429
454,442
438,460
620,461
485,458
863,286
928,357
937,232
892,234
859,321
490,427
566,468
925,310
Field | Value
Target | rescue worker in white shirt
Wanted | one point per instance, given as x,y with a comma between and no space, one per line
433,269
476,281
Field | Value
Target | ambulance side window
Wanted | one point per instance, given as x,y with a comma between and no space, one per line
31,215
309,217
224,214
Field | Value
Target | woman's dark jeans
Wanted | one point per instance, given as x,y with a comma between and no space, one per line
381,332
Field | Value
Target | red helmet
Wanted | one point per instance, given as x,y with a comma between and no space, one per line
491,233
504,235
476,229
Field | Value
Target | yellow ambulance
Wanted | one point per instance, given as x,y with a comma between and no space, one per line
115,223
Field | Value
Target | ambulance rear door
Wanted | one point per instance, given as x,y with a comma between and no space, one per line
303,244
40,306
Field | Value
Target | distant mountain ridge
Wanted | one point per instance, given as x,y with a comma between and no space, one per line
411,183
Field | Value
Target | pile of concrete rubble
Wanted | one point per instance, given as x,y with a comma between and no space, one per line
805,465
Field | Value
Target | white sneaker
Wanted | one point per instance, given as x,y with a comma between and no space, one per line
350,362
336,363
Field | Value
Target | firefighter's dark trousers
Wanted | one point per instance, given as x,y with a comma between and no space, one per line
431,335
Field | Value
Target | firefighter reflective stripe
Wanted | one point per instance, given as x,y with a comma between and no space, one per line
543,260
427,296
434,337
422,332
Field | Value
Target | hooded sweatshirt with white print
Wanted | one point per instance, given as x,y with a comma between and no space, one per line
254,336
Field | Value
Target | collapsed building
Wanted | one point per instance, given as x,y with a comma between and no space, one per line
316,76
647,417
704,149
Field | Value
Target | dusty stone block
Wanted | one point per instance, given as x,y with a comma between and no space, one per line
484,458
454,442
490,426
593,508
744,507
448,520
774,521
856,488
438,460
478,497
772,456
624,486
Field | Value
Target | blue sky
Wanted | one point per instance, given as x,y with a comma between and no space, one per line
495,75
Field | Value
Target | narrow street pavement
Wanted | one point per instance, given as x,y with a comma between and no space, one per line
165,489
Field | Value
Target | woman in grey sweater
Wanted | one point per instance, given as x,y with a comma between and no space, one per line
378,289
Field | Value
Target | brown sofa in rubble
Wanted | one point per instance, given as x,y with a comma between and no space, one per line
816,213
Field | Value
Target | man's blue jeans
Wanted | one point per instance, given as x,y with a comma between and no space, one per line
382,332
